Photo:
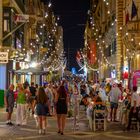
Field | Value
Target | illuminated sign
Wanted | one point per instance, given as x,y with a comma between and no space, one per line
3,57
113,74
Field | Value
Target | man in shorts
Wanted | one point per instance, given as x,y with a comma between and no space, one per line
114,96
9,103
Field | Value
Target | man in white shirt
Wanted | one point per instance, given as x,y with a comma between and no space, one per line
102,93
114,95
134,107
49,93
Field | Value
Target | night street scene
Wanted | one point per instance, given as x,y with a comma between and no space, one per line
69,69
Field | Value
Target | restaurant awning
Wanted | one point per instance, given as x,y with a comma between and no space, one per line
34,71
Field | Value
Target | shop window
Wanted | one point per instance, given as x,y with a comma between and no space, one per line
6,15
6,25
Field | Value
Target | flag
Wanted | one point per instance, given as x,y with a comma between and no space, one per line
126,17
134,10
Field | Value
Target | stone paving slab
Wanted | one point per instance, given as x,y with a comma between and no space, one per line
30,132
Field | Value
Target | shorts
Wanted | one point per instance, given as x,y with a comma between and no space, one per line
30,99
42,110
9,109
113,105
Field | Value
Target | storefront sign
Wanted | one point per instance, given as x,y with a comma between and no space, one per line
3,57
21,18
113,74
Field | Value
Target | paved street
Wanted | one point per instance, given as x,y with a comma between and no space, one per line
30,131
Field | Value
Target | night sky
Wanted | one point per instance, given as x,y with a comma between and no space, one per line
73,14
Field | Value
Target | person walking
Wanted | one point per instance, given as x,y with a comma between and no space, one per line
21,118
54,92
33,94
76,101
9,103
41,102
114,96
49,94
61,108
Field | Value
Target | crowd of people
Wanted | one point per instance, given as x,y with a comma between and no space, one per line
121,104
65,97
48,100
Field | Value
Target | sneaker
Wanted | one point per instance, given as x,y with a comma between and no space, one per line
62,133
7,123
40,132
10,123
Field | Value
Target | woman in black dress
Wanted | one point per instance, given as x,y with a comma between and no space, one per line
61,108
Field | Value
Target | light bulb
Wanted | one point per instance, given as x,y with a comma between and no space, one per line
49,5
126,33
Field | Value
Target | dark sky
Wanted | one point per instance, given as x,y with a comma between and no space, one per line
73,14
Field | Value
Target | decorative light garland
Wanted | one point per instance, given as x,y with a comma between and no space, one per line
84,63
